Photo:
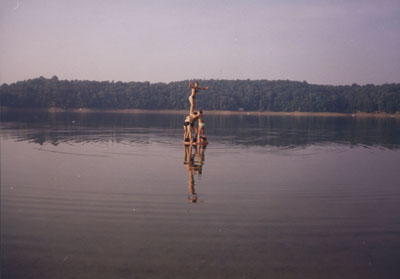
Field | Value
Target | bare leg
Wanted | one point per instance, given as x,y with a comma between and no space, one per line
192,103
190,133
187,133
198,135
195,133
203,133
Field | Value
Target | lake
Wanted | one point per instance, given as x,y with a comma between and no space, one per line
111,195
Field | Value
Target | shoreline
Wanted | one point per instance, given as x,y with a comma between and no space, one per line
208,112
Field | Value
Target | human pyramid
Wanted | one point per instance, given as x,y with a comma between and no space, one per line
193,135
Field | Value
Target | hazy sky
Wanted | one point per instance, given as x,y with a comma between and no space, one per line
324,42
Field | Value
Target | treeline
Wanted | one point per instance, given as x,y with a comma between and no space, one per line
247,95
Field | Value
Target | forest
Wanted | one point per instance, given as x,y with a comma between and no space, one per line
243,95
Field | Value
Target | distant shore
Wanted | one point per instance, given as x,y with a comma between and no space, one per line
209,112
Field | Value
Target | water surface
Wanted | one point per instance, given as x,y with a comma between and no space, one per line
103,195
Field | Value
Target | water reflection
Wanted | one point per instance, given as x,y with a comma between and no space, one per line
110,194
242,130
194,161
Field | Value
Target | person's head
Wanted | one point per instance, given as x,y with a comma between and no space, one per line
192,198
196,84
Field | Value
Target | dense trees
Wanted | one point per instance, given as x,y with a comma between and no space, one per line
248,95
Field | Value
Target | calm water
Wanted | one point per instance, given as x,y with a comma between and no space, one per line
118,196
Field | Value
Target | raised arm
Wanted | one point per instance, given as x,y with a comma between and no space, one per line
190,84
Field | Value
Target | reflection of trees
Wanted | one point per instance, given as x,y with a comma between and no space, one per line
194,161
289,131
44,127
280,131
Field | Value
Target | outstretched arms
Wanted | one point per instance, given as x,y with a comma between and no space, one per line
196,86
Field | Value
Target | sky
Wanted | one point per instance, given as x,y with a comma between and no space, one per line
323,42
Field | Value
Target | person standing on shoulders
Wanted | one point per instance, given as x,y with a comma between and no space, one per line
192,98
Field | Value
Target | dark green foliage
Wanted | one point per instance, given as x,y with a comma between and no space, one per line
248,95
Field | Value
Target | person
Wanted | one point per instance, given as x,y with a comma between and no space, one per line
192,98
188,125
201,134
187,136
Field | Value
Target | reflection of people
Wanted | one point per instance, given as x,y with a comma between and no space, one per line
192,197
192,98
193,166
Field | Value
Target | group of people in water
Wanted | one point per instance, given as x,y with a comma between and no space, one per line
195,141
194,135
